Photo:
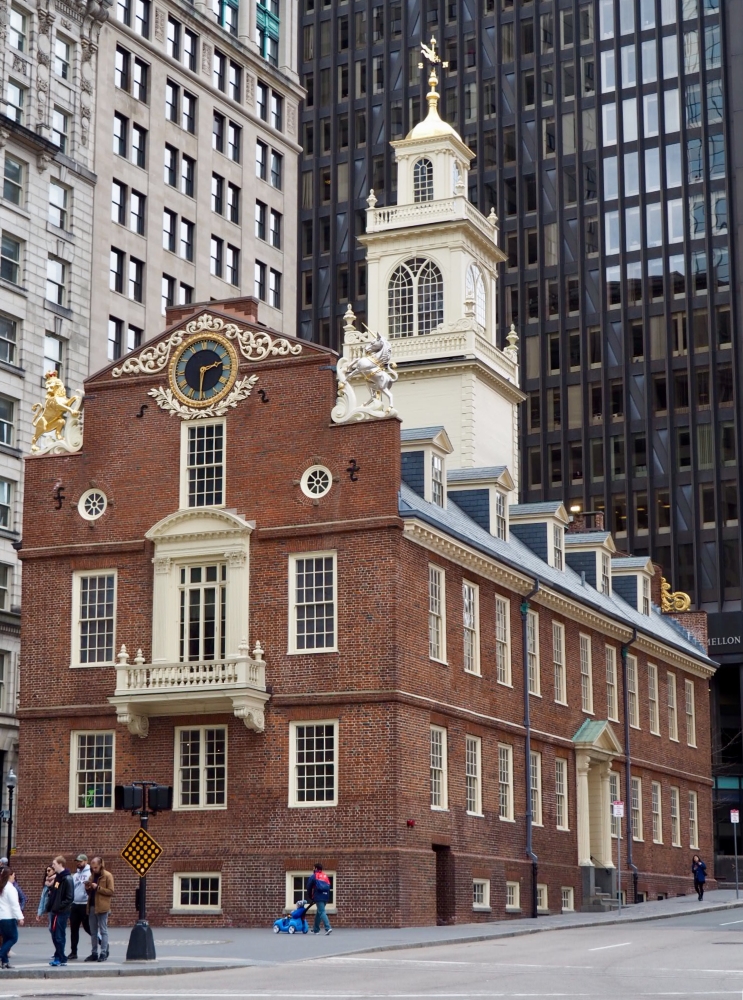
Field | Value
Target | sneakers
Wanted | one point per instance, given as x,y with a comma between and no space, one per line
328,931
7,965
56,962
103,956
92,958
72,957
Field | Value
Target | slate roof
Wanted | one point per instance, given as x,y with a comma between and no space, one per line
586,537
514,554
545,507
471,475
420,433
630,562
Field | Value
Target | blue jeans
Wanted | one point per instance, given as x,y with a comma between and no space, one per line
9,931
320,914
59,933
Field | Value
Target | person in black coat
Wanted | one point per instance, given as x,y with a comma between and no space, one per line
699,871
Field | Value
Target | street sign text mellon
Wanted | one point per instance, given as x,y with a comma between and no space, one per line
141,853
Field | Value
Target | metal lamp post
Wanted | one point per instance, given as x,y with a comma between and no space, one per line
11,782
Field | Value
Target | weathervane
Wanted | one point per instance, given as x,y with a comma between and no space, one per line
431,55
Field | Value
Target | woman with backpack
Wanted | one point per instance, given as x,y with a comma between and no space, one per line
11,915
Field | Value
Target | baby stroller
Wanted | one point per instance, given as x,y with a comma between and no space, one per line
296,920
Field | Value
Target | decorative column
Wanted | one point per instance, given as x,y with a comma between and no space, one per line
582,763
606,851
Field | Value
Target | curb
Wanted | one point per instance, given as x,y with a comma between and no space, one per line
126,970
523,931
175,970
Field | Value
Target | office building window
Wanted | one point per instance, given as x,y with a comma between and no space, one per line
216,256
314,763
8,339
259,288
201,779
56,281
232,261
93,770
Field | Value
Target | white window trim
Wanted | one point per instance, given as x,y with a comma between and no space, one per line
691,738
671,686
543,905
610,652
476,590
537,692
510,818
566,774
559,629
694,841
675,835
653,786
540,805
293,802
444,807
478,744
202,768
77,576
639,810
73,807
442,573
185,425
571,896
587,638
483,907
177,905
292,639
289,903
615,820
632,667
516,906
507,644
653,699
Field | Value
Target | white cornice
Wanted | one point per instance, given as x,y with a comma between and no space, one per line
428,368
489,568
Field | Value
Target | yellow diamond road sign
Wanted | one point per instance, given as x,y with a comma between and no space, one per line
141,852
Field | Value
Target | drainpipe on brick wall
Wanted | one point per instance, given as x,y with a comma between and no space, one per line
627,768
527,746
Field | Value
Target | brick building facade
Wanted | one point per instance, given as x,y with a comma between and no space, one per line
325,658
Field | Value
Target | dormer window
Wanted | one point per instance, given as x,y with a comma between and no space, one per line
557,543
500,515
423,180
437,480
645,596
605,574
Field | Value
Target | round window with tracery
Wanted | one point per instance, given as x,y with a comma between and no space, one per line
92,505
316,481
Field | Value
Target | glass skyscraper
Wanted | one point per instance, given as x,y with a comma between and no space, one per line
604,136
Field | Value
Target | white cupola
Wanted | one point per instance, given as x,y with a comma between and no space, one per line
431,276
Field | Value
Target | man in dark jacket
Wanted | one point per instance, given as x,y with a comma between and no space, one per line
61,898
318,892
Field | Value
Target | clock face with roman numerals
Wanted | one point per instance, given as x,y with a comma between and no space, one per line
203,370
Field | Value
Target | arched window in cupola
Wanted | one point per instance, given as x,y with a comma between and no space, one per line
423,180
415,297
475,292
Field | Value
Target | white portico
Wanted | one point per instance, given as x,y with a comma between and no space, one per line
431,262
595,747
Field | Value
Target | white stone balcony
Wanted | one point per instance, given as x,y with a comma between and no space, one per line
236,684
426,213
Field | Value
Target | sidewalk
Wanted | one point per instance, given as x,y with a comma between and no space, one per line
182,950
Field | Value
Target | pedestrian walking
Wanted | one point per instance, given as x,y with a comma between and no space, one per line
11,915
59,906
699,871
318,892
100,889
79,912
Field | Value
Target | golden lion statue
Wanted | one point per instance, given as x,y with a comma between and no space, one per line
52,413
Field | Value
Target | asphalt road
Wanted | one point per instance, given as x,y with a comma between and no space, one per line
685,957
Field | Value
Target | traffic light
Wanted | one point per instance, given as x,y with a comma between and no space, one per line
128,797
159,797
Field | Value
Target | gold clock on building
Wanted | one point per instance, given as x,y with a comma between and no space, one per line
203,370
